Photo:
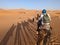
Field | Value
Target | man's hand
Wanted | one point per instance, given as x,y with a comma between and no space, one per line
37,32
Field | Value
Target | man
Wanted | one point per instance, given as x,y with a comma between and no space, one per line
44,23
44,20
39,22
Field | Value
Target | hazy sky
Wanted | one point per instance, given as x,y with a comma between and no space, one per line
30,4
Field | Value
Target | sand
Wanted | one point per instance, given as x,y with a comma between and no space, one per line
14,16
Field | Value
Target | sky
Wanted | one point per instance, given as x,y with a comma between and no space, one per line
30,4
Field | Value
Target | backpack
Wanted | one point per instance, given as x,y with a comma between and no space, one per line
46,19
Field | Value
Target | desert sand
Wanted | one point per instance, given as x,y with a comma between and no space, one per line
17,17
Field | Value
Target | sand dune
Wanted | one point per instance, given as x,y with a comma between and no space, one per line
14,16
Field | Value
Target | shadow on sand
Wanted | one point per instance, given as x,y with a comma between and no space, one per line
17,35
24,34
7,36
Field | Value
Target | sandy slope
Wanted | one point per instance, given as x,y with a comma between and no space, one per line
9,17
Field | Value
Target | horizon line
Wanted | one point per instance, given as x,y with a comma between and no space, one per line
25,9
